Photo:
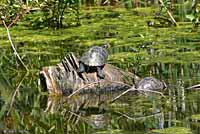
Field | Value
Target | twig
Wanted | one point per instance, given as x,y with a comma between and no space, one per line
134,89
119,82
146,90
194,87
87,85
168,12
11,43
130,89
14,21
77,115
21,13
138,118
15,93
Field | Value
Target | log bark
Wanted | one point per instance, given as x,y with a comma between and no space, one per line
64,79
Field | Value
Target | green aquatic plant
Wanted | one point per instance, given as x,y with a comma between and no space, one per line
195,15
54,12
9,11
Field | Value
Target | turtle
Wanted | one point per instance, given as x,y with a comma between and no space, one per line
94,59
151,83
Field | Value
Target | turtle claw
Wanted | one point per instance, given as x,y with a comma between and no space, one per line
100,73
101,76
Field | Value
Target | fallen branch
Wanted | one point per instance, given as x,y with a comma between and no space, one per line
194,87
146,90
134,89
130,89
87,85
138,118
13,47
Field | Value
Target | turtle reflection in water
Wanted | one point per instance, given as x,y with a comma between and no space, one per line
150,83
94,60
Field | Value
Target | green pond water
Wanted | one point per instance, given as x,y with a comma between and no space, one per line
167,53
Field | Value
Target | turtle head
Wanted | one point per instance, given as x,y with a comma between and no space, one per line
106,45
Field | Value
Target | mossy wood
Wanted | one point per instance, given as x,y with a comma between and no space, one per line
64,79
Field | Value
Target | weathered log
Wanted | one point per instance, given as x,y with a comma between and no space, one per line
64,79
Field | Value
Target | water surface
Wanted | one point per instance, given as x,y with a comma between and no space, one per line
169,53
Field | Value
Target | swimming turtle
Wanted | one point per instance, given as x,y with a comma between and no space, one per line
94,59
150,83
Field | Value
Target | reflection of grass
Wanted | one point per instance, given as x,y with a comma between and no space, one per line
173,130
116,131
196,117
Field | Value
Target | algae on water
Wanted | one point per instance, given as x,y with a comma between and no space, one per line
173,130
196,117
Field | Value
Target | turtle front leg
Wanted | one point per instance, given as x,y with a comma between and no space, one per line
100,73
81,68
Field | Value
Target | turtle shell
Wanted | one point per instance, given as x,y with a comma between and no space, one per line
150,83
95,56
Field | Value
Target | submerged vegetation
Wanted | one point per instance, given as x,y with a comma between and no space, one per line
143,40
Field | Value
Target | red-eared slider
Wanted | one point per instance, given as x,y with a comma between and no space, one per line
150,83
94,59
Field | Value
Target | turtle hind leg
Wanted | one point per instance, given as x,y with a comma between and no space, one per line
81,68
100,73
